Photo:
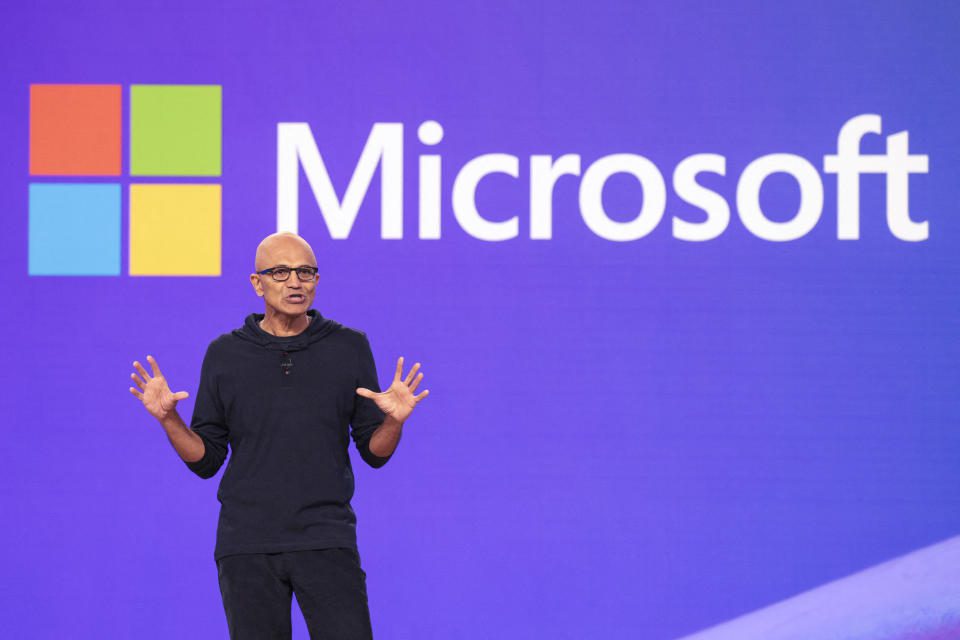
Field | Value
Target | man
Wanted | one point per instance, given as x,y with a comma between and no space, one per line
280,392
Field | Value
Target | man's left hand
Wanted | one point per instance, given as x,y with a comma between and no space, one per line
398,401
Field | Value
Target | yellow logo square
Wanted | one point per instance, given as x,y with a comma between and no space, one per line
175,229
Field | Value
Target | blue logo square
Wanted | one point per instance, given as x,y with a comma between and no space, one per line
74,229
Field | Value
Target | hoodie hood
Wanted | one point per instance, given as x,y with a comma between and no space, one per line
318,328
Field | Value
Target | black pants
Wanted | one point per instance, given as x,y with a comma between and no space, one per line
330,586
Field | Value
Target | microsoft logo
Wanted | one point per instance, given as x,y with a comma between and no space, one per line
77,185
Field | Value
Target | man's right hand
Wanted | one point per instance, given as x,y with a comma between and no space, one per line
154,392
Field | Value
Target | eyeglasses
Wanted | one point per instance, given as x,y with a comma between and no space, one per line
280,274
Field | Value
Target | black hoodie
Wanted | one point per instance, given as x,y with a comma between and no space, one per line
283,406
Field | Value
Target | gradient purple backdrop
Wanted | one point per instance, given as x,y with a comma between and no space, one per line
634,439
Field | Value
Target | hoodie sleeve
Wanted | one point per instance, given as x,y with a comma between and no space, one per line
208,421
367,416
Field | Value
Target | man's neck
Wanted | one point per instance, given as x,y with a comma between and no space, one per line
277,326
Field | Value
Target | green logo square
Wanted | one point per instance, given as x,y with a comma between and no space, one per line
175,130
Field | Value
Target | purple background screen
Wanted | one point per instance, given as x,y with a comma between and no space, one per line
623,439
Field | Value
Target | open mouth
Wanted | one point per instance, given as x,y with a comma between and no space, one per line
296,298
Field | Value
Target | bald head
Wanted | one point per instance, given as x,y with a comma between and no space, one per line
283,248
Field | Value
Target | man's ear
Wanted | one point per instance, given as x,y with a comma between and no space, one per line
254,281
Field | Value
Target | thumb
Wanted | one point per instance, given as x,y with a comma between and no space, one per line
366,393
180,395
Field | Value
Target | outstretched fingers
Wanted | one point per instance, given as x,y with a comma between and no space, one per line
136,393
410,375
416,383
141,370
423,395
399,372
154,366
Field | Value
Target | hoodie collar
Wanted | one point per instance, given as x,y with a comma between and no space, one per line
318,328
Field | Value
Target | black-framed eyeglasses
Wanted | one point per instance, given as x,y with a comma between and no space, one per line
280,274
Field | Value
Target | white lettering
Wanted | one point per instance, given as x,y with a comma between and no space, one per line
465,191
713,204
296,147
384,148
811,197
591,197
